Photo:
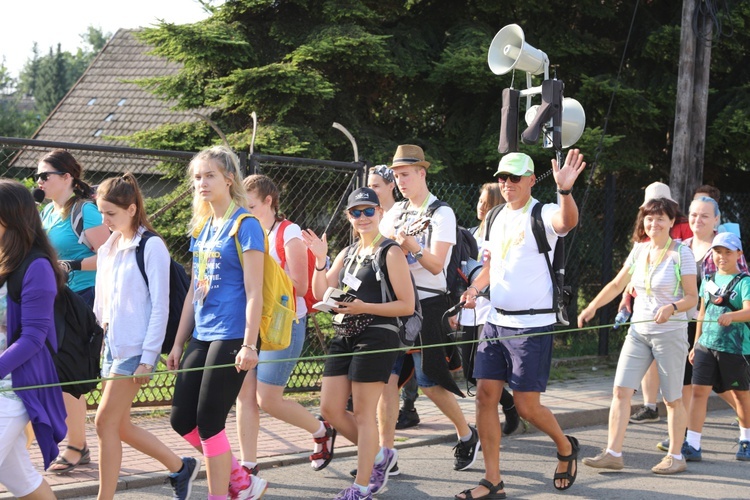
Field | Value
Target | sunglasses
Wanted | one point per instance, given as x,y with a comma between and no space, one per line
43,176
515,179
357,213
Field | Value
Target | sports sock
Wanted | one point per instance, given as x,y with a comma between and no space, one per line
362,489
676,457
650,406
615,454
380,457
694,439
320,432
744,434
249,465
467,437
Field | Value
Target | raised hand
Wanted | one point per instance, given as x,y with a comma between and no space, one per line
566,175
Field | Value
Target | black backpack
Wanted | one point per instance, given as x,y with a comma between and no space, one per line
409,327
178,288
464,250
561,293
79,336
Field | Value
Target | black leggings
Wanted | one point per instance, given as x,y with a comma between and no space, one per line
203,398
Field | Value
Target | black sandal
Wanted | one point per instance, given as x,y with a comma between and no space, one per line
492,495
85,458
573,457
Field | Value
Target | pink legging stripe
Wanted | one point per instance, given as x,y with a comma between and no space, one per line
193,438
216,445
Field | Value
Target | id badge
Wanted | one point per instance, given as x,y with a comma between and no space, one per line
352,281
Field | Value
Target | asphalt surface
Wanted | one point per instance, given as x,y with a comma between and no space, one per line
528,462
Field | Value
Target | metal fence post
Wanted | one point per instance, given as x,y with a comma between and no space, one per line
607,253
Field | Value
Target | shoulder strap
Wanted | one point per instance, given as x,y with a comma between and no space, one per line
432,208
537,227
140,258
489,219
235,230
76,221
280,242
378,265
735,281
15,278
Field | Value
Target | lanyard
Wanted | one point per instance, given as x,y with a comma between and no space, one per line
208,246
359,262
649,270
506,241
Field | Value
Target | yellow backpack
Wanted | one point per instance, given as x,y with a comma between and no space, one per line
279,302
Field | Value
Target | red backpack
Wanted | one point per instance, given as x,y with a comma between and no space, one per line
309,298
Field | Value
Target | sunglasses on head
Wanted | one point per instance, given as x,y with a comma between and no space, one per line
356,213
515,179
43,176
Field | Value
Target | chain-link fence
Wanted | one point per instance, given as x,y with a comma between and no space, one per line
313,193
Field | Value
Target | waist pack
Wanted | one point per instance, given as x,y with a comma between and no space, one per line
279,306
178,288
79,336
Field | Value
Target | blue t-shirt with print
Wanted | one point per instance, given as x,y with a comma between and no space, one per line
65,241
221,315
735,338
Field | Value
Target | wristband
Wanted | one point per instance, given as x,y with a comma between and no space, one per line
250,346
70,265
564,191
146,366
675,308
325,266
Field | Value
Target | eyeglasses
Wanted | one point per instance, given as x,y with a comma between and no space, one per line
515,179
357,213
43,176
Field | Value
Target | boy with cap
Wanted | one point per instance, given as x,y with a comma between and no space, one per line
721,355
521,296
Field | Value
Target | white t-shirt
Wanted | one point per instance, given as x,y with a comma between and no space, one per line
443,228
664,287
519,275
291,232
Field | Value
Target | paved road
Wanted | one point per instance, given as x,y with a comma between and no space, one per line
528,465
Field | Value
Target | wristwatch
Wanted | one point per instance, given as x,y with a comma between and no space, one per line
419,253
564,191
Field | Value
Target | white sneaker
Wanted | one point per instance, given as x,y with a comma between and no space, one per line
255,491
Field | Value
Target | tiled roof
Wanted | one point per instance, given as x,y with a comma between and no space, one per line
103,103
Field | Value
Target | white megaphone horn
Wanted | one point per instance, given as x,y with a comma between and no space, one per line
509,51
573,120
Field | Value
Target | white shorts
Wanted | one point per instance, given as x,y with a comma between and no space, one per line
669,349
17,473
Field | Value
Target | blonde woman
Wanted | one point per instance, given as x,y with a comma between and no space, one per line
217,331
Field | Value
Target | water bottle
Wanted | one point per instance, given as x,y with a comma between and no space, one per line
622,317
277,322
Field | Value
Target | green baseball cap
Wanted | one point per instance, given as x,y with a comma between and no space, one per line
516,164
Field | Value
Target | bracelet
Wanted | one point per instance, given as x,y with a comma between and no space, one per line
564,191
675,308
475,289
325,266
250,346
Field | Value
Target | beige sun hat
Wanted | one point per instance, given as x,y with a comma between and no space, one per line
409,155
657,190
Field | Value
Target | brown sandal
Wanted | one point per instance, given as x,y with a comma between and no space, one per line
85,458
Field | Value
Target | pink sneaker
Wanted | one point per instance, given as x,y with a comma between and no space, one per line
239,481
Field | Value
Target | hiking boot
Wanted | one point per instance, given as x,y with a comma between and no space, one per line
182,481
407,418
352,493
663,446
604,460
670,465
323,452
466,451
392,473
691,454
744,452
511,420
644,415
380,472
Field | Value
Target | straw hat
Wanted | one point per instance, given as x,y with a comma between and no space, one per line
409,155
657,190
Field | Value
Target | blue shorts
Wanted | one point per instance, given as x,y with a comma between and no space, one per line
111,366
278,372
523,363
422,379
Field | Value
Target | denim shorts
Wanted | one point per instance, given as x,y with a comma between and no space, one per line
422,379
111,366
273,372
